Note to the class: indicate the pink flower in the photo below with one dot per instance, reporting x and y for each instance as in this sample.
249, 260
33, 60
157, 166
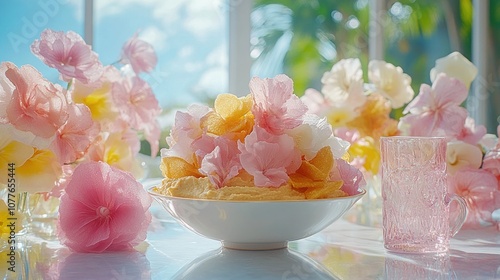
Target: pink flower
76, 135
498, 134
436, 111
36, 104
269, 158
222, 163
139, 54
189, 122
491, 163
118, 149
276, 108
479, 188
316, 103
139, 107
349, 135
203, 146
6, 89
471, 133
491, 141
351, 176
185, 130
69, 54
103, 209
128, 135
60, 186
152, 134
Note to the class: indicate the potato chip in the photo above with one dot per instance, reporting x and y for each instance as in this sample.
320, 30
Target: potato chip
232, 117
312, 172
329, 189
231, 108
253, 193
299, 181
318, 168
323, 159
236, 130
175, 167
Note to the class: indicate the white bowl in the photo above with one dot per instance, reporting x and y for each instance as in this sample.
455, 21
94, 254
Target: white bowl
256, 225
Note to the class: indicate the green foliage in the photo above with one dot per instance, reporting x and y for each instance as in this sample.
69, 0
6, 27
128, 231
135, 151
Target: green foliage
417, 32
314, 30
303, 58
423, 18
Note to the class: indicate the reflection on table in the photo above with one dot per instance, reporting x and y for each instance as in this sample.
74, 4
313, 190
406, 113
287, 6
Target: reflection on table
342, 251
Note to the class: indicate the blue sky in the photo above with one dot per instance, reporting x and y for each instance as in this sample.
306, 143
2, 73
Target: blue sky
188, 35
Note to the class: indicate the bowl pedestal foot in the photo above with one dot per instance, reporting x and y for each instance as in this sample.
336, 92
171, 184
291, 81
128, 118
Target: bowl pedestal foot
255, 246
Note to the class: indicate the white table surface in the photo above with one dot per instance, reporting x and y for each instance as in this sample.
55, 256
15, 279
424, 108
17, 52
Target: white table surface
342, 251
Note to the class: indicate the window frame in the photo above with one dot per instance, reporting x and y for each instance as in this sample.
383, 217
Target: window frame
240, 62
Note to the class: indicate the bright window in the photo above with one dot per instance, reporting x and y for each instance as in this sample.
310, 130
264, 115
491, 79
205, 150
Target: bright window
22, 21
189, 36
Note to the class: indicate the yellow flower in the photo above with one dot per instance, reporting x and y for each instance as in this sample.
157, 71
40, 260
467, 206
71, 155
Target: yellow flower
98, 100
374, 118
117, 152
39, 173
367, 149
340, 116
460, 154
33, 170
457, 66
5, 229
232, 117
13, 152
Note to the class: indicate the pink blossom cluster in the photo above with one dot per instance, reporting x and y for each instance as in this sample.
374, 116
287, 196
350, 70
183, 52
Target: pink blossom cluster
82, 140
360, 113
280, 136
79, 122
473, 156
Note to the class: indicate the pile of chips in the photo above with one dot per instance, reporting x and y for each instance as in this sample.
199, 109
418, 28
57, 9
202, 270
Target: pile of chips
266, 136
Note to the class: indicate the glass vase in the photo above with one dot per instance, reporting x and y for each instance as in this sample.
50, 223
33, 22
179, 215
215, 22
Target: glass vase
43, 210
368, 210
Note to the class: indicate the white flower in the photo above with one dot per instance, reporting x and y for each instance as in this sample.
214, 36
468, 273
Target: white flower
343, 85
340, 116
460, 154
390, 82
26, 137
489, 142
314, 134
457, 66
6, 89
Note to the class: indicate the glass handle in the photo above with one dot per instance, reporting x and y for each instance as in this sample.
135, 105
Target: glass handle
462, 215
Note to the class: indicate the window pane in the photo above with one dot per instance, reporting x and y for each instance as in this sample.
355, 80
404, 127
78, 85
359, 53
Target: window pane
303, 39
22, 22
189, 36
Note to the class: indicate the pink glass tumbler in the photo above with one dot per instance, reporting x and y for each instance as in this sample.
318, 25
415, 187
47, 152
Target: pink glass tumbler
416, 202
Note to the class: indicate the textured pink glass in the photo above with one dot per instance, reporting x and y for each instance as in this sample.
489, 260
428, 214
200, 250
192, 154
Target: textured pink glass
416, 216
419, 266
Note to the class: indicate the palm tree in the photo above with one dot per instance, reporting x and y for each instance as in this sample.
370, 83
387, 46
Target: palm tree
305, 38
